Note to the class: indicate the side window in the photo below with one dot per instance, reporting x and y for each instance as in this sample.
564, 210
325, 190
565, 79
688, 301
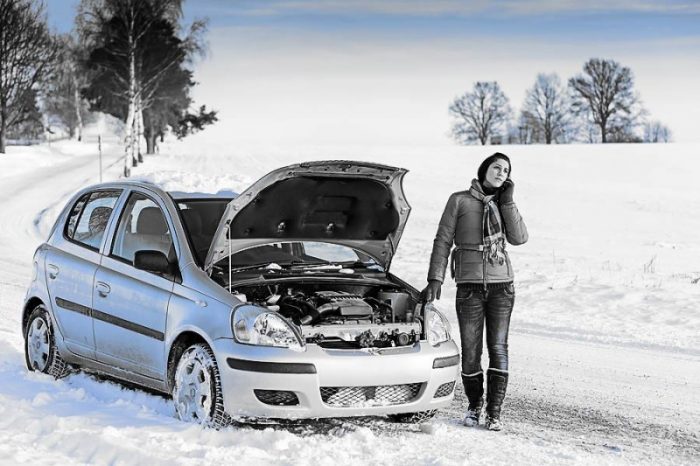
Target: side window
142, 226
88, 219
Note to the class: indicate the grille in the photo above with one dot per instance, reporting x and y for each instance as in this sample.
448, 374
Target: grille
381, 395
444, 389
277, 397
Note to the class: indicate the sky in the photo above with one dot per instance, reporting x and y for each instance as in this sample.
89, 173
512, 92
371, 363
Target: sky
385, 72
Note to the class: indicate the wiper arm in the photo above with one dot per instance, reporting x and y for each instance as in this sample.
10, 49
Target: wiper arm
262, 265
364, 265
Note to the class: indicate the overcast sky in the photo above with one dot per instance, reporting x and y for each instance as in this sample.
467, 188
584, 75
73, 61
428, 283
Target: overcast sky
375, 72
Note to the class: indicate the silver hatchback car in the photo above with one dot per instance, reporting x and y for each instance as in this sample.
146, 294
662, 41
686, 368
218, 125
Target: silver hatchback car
276, 303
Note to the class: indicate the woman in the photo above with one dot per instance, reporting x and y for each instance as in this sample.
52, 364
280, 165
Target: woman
478, 222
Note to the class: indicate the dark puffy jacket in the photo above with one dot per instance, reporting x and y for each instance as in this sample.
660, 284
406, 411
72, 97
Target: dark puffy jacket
461, 225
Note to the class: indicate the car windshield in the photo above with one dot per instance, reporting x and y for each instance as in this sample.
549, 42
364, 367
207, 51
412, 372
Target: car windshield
302, 254
201, 217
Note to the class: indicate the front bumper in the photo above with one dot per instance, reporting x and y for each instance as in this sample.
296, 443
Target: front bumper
246, 368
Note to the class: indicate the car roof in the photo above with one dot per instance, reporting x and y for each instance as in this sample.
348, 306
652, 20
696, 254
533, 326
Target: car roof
176, 195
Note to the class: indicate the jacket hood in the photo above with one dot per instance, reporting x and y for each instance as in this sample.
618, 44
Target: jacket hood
356, 204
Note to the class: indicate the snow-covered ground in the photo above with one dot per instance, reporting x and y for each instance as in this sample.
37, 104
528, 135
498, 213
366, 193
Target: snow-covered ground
605, 339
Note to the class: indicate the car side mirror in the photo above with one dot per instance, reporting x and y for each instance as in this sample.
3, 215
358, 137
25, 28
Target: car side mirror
153, 261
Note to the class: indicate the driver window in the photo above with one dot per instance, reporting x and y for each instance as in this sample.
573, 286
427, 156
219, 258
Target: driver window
142, 226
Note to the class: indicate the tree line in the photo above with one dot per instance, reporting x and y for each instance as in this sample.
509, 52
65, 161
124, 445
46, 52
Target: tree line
128, 58
597, 105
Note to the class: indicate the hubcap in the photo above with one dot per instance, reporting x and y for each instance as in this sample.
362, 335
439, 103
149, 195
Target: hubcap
38, 344
192, 394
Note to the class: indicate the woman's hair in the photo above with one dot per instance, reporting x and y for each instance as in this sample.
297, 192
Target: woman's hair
481, 173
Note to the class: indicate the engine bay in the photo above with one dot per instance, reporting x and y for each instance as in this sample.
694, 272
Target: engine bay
343, 316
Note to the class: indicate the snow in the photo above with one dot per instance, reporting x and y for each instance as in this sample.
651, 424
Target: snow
605, 336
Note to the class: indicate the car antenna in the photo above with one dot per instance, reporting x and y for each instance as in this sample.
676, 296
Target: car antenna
228, 237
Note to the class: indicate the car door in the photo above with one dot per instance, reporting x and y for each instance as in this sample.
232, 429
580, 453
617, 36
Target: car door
130, 305
71, 266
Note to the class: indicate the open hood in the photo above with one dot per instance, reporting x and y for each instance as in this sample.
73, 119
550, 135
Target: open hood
356, 204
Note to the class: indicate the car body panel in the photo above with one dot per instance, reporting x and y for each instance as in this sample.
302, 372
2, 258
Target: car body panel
130, 320
334, 368
70, 273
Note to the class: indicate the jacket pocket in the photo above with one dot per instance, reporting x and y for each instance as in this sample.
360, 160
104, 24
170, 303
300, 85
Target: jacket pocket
469, 265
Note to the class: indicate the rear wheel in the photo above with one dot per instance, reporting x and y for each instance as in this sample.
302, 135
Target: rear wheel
197, 388
413, 418
40, 352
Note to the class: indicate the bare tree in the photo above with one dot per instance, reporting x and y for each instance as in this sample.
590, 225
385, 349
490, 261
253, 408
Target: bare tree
605, 91
480, 115
63, 101
546, 109
26, 54
655, 131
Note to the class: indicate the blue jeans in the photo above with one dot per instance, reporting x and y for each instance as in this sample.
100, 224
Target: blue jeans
474, 306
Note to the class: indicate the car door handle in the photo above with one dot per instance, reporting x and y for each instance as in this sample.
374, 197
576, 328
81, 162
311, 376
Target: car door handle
103, 289
52, 270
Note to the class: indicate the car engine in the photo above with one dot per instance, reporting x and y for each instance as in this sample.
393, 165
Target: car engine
355, 317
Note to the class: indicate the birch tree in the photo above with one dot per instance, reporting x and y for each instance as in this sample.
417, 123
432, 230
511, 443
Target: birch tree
133, 48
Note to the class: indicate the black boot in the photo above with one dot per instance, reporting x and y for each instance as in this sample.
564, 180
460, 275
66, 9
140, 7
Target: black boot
497, 381
474, 389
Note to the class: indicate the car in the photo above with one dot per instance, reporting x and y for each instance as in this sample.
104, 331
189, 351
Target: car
276, 303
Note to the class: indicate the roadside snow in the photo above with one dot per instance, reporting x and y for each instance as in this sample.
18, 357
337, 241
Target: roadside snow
605, 354
612, 255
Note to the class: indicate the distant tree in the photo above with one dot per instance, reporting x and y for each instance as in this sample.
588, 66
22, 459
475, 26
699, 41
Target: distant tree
27, 51
30, 126
605, 91
136, 56
528, 131
63, 102
481, 114
546, 110
655, 131
190, 123
624, 130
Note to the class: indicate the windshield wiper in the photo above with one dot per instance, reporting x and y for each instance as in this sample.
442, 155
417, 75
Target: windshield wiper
263, 265
364, 265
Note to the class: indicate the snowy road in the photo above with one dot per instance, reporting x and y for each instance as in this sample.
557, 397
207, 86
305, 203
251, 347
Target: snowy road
570, 401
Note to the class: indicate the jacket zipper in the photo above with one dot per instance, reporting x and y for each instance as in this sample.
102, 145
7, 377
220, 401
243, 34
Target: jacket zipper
485, 250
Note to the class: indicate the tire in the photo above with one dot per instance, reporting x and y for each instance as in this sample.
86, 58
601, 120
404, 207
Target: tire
40, 352
412, 418
197, 388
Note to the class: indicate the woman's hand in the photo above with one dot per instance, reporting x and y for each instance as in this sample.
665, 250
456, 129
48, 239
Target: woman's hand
432, 291
506, 195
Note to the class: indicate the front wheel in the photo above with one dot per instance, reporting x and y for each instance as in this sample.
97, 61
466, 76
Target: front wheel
40, 352
197, 388
413, 418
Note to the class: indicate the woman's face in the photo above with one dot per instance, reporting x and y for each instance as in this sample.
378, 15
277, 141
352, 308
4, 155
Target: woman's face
497, 173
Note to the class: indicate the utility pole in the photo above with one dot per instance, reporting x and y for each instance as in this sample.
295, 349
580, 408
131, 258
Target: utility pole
99, 149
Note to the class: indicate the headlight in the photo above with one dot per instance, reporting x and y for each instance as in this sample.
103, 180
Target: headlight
438, 327
257, 326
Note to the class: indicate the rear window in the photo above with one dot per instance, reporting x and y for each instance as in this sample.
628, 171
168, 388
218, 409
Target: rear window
88, 219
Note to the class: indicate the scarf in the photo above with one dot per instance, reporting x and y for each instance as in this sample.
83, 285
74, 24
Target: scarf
492, 226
